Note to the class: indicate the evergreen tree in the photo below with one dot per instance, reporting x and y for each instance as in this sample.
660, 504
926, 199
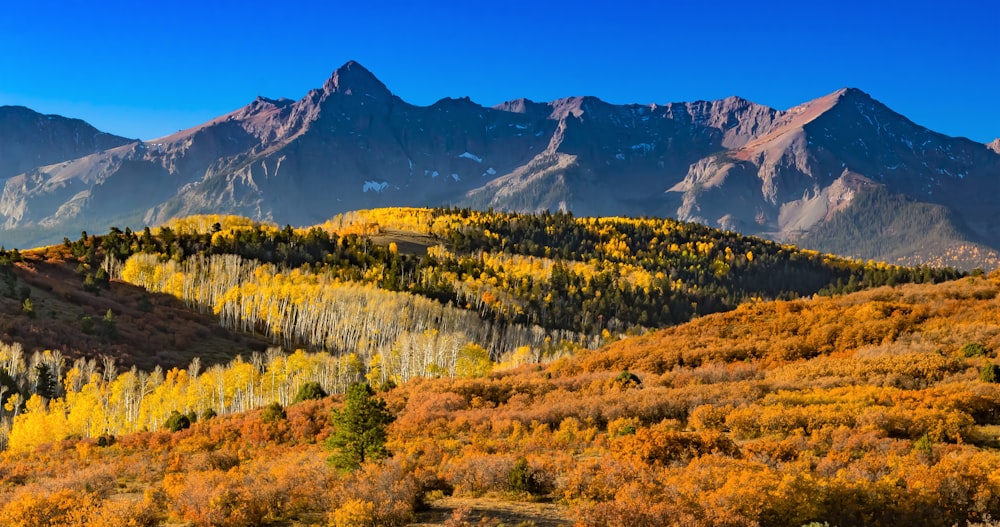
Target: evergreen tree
360, 429
308, 391
45, 384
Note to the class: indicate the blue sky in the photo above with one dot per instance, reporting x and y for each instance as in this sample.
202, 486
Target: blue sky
144, 69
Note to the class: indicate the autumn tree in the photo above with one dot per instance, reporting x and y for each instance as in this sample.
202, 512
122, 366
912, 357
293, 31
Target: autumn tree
360, 428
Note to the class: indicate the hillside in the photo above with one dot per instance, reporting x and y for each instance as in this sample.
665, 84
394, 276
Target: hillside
788, 175
874, 408
437, 280
70, 315
410, 290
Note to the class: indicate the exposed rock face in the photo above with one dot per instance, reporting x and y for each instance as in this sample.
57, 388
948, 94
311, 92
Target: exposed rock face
29, 139
353, 144
994, 145
845, 138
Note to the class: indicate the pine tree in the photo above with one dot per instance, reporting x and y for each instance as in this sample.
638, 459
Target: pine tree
360, 429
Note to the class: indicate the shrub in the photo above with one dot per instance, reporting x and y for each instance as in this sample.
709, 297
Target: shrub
177, 422
219, 499
63, 507
309, 391
990, 373
623, 426
383, 495
272, 413
354, 513
627, 379
522, 478
973, 349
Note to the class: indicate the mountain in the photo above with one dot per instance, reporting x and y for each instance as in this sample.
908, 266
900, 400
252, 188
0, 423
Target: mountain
29, 139
790, 175
794, 179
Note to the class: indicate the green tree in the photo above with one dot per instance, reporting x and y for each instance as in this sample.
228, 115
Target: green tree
974, 349
109, 327
990, 373
308, 391
177, 422
359, 429
522, 478
45, 383
89, 285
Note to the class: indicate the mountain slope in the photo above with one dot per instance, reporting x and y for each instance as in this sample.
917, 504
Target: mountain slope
802, 173
352, 144
71, 315
29, 139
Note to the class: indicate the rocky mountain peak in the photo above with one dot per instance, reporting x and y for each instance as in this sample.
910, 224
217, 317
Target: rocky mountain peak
577, 106
351, 144
522, 105
853, 94
995, 145
354, 79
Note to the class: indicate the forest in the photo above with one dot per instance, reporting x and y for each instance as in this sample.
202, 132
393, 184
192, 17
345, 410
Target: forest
500, 280
796, 389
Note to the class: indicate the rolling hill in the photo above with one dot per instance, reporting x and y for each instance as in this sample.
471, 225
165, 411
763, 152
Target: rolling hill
874, 408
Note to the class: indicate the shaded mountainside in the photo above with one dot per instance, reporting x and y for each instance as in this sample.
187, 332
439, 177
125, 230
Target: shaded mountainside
70, 314
29, 139
900, 229
352, 144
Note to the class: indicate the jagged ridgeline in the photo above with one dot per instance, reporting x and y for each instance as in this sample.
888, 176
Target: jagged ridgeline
396, 284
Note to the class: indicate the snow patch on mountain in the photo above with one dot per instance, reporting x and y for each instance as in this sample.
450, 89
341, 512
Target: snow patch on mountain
374, 186
470, 155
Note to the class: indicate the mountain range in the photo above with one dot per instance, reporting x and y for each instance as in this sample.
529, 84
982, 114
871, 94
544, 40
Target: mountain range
842, 173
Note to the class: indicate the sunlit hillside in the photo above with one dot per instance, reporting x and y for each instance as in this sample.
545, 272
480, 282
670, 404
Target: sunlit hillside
875, 408
499, 369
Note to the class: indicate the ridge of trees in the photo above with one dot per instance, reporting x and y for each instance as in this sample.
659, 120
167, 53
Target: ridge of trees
541, 276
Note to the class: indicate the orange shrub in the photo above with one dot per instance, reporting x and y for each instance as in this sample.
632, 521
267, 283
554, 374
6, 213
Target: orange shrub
63, 508
390, 487
218, 499
663, 445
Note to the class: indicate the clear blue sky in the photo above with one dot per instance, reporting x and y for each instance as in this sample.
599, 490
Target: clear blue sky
145, 69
